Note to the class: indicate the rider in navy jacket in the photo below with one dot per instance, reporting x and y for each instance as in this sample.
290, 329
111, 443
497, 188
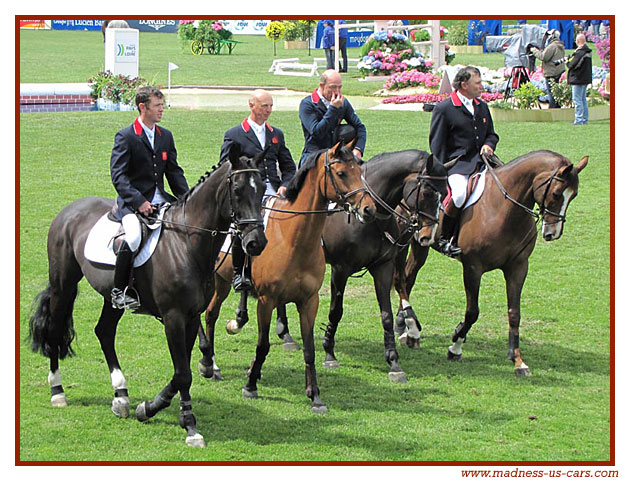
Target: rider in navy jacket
323, 111
142, 155
254, 135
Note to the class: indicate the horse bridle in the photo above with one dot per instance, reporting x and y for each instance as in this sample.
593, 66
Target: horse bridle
342, 199
240, 223
547, 183
543, 208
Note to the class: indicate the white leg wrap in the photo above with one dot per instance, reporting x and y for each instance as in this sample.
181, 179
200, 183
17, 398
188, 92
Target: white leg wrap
118, 379
456, 348
54, 378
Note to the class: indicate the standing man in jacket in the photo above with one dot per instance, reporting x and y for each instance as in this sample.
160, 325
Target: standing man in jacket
143, 154
321, 114
552, 70
254, 135
580, 74
462, 129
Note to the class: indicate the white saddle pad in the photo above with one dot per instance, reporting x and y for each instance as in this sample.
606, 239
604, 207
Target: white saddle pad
227, 244
476, 194
99, 244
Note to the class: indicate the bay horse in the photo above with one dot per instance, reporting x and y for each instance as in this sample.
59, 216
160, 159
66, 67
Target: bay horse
499, 232
174, 285
292, 266
412, 179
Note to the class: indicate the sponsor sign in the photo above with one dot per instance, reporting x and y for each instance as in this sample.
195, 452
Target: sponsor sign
77, 24
357, 39
35, 24
246, 27
161, 26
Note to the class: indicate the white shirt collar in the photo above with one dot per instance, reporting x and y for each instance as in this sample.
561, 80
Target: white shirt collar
468, 103
259, 131
149, 132
323, 99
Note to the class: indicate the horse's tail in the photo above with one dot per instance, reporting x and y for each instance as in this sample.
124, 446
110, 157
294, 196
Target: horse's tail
51, 337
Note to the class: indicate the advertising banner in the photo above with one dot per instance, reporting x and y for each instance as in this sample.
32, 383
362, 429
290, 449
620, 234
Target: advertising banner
161, 26
77, 24
246, 27
35, 24
357, 39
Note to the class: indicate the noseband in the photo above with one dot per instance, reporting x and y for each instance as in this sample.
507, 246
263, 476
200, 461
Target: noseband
543, 208
342, 199
240, 223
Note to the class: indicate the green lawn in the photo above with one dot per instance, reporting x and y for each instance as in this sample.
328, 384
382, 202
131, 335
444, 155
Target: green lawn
43, 58
475, 410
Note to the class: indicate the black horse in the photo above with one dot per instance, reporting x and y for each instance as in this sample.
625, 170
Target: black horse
409, 179
174, 285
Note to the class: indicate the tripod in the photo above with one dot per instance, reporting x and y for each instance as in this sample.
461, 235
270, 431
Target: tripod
518, 77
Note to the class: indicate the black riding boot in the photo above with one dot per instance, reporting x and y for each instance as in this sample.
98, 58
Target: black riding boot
447, 244
242, 280
121, 298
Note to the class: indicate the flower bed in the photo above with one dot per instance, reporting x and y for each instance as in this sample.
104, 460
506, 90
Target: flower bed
434, 98
116, 89
386, 53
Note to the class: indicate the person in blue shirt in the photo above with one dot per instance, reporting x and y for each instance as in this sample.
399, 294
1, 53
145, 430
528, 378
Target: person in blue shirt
328, 44
343, 42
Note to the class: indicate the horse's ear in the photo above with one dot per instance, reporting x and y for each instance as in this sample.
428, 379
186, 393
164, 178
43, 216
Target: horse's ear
234, 153
581, 164
429, 166
352, 143
334, 151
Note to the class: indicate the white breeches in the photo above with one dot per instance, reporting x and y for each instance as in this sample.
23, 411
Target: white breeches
458, 183
133, 233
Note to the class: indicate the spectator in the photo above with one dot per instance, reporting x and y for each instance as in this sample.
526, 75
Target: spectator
551, 69
328, 44
580, 74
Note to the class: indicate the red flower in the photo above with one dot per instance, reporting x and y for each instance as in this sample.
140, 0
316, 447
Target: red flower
274, 140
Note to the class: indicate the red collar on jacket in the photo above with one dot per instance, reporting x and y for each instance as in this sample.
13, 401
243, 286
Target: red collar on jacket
315, 97
247, 127
137, 127
457, 102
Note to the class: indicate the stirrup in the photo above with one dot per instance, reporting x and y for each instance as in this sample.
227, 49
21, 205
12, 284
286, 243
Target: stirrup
122, 300
447, 248
242, 283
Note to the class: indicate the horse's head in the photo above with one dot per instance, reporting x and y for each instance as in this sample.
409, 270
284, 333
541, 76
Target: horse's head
553, 192
246, 192
343, 182
423, 194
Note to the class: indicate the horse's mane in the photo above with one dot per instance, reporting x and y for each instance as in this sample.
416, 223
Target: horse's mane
383, 160
183, 199
295, 184
550, 156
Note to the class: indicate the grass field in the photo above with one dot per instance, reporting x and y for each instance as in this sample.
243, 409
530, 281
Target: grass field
472, 411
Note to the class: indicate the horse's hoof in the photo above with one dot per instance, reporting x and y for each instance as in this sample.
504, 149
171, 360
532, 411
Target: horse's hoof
196, 441
319, 409
216, 375
120, 407
289, 344
141, 412
331, 364
453, 357
59, 401
232, 327
397, 376
413, 343
247, 394
205, 371
522, 372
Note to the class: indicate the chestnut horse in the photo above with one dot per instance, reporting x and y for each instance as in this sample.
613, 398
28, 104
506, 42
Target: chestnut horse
174, 285
499, 232
292, 266
409, 178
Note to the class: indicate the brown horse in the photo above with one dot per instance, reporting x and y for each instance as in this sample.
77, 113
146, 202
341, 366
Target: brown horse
499, 232
291, 268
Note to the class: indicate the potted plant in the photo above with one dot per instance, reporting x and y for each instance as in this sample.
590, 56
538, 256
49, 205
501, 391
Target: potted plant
296, 34
114, 92
274, 32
